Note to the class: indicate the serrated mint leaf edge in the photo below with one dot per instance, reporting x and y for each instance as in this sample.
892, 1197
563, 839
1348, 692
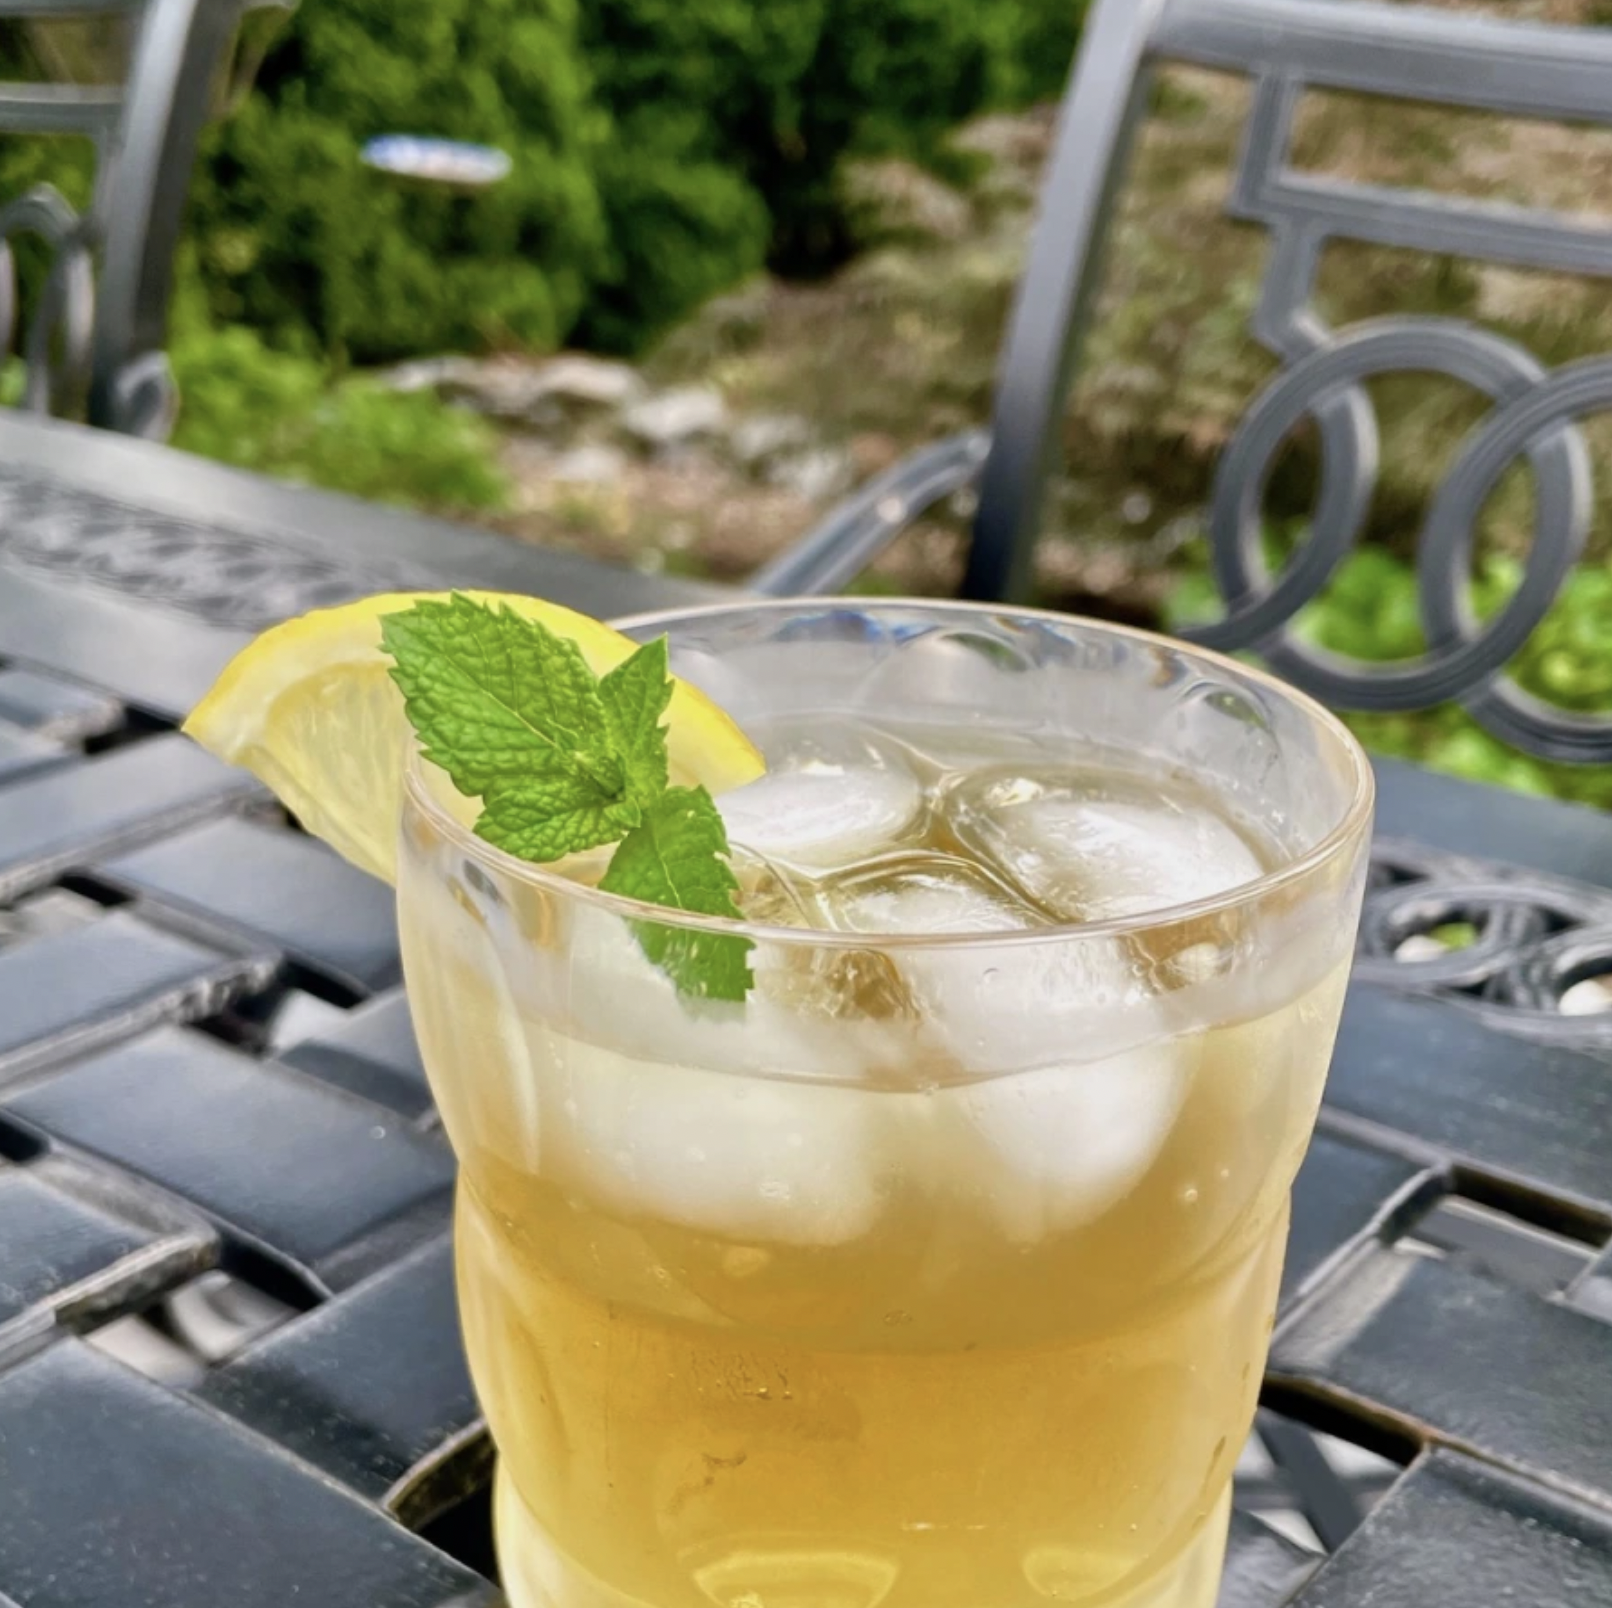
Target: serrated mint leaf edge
440, 688
700, 963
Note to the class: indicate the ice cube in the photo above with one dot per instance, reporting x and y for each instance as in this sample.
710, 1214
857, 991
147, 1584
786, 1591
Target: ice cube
829, 800
1052, 1150
597, 985
1075, 1076
743, 1121
1045, 999
924, 893
1089, 852
747, 1158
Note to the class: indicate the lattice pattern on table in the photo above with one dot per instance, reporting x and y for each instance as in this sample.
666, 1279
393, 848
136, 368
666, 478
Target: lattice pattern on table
224, 1214
228, 576
1525, 950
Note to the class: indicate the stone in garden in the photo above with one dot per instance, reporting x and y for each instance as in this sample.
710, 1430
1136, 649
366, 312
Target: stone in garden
676, 418
502, 387
817, 476
428, 374
589, 382
595, 463
764, 436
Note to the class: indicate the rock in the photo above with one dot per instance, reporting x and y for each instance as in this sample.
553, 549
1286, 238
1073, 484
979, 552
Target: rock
547, 396
892, 199
675, 418
817, 476
428, 374
594, 463
1022, 138
501, 387
589, 382
762, 437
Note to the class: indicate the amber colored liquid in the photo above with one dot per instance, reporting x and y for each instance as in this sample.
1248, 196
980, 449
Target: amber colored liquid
925, 1415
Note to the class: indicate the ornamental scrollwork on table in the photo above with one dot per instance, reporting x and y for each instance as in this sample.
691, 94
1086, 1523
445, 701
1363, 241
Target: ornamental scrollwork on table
227, 577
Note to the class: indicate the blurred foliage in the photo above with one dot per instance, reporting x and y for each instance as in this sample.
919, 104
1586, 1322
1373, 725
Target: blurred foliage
1370, 612
773, 96
296, 238
662, 150
665, 149
287, 416
284, 415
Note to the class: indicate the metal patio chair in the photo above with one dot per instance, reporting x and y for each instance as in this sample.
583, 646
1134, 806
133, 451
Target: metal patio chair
92, 345
1286, 48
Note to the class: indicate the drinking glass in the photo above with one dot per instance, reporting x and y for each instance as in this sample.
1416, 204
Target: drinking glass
942, 1269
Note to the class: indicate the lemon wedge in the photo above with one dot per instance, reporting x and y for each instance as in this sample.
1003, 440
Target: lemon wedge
310, 709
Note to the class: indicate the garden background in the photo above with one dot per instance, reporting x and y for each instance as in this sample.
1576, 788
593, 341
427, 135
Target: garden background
784, 233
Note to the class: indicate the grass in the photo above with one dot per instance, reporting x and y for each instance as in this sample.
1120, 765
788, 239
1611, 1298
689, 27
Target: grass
286, 416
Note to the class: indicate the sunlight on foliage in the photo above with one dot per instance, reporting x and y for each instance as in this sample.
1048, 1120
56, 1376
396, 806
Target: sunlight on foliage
1370, 612
284, 416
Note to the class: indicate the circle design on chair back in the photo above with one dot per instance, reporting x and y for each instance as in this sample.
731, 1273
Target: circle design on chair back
1534, 418
1547, 412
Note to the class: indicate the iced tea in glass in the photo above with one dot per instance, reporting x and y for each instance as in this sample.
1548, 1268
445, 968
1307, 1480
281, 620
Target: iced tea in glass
940, 1271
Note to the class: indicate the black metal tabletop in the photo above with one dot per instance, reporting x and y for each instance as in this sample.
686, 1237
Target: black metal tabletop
229, 1362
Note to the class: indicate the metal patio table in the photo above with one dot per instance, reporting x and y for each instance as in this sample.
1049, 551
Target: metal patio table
207, 1075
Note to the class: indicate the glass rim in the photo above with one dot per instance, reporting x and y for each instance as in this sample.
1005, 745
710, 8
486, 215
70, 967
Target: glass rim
1361, 780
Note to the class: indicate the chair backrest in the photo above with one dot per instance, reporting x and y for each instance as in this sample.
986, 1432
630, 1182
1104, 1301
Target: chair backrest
1286, 47
93, 343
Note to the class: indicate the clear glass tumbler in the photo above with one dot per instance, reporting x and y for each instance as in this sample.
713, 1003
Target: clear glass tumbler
942, 1270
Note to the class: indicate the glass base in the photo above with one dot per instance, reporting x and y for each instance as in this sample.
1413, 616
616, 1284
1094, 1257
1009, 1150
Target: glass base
537, 1574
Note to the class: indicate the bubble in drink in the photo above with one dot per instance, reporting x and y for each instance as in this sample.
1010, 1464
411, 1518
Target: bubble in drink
938, 1273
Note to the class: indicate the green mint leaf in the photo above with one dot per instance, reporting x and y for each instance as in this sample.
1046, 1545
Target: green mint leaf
565, 761
497, 698
542, 819
635, 695
677, 857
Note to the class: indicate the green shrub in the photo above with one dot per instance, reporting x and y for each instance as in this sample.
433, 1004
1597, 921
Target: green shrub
300, 240
681, 225
662, 150
1048, 34
282, 415
776, 93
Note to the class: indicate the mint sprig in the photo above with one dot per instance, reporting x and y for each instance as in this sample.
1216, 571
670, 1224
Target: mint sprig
564, 760
667, 859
